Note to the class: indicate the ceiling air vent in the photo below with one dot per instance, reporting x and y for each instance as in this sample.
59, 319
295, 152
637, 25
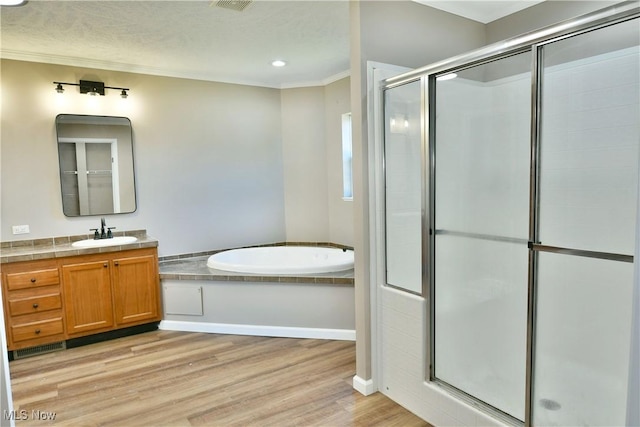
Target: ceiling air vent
237, 5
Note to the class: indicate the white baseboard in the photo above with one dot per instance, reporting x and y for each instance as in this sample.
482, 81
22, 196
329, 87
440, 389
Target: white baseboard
364, 387
258, 330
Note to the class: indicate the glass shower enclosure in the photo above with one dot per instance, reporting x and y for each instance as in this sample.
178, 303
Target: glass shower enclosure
530, 153
481, 189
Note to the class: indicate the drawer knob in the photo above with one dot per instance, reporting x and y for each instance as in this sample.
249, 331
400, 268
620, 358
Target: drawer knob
33, 280
35, 305
105, 265
37, 331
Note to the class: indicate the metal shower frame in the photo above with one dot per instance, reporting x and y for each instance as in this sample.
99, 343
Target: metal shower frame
530, 42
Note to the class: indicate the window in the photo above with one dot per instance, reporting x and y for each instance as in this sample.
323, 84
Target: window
347, 158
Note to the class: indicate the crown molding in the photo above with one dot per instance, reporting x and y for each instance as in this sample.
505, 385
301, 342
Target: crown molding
153, 71
323, 82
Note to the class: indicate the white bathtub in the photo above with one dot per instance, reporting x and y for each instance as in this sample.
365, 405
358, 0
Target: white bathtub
282, 260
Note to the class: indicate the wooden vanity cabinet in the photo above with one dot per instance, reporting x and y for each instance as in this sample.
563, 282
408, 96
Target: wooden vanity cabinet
110, 291
54, 300
33, 303
88, 306
135, 285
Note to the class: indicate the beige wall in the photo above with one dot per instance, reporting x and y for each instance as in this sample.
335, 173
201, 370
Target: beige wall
540, 16
209, 158
305, 161
312, 153
337, 102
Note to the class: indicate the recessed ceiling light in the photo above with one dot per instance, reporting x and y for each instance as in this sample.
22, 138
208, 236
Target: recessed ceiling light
278, 63
12, 2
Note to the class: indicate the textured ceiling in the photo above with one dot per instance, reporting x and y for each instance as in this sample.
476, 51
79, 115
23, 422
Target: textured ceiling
196, 39
192, 39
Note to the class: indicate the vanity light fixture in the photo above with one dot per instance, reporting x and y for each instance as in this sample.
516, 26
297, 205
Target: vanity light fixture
278, 63
92, 88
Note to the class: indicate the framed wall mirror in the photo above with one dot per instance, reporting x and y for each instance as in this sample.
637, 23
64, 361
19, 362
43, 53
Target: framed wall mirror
95, 155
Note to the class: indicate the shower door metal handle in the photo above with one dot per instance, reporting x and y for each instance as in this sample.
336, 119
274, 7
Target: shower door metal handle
482, 236
580, 252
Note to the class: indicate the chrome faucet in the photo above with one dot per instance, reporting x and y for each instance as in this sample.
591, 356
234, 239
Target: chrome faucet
103, 233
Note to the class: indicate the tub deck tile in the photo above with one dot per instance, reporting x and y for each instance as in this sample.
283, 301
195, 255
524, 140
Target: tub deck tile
195, 268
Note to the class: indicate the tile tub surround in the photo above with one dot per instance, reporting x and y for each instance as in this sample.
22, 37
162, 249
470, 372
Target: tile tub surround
58, 247
194, 267
203, 299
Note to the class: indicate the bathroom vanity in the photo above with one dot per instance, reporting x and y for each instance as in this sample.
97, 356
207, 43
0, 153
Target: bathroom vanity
57, 292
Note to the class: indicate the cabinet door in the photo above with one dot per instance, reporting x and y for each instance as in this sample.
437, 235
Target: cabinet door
135, 286
87, 296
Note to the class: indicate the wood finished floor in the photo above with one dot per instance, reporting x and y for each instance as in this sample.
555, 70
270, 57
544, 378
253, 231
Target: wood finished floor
166, 378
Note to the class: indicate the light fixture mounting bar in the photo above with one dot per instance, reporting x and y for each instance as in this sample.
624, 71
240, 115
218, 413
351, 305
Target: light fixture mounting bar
91, 87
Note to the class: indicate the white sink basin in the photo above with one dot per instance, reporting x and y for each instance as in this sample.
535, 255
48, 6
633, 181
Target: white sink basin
115, 241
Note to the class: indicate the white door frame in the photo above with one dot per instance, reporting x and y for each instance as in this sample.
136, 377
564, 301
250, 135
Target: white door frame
377, 72
82, 180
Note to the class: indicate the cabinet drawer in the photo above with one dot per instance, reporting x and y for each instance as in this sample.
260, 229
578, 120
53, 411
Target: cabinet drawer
35, 304
35, 330
33, 278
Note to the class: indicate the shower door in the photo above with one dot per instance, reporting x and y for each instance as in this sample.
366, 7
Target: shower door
531, 169
403, 187
588, 187
480, 217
